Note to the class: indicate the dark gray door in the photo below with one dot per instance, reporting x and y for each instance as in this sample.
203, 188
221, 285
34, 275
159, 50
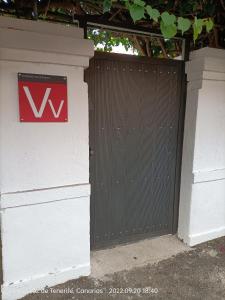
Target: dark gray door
135, 119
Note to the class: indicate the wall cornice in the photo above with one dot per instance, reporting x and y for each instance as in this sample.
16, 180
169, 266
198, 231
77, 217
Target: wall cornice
29, 41
206, 64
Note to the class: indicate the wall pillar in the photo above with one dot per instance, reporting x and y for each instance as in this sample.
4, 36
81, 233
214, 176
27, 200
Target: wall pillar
44, 167
202, 198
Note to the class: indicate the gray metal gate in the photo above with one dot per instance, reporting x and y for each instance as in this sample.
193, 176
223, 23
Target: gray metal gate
136, 118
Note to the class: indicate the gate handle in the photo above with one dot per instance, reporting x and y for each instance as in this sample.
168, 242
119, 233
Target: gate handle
91, 152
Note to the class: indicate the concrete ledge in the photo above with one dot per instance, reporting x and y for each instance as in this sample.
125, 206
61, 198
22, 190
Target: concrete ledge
194, 85
15, 39
209, 52
213, 75
198, 238
41, 27
206, 64
10, 200
206, 75
7, 54
210, 175
19, 289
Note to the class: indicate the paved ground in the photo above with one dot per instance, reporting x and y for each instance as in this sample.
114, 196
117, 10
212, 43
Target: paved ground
198, 274
134, 255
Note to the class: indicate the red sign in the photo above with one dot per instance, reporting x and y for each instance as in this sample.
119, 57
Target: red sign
42, 98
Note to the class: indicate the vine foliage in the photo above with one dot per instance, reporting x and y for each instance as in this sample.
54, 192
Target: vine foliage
168, 22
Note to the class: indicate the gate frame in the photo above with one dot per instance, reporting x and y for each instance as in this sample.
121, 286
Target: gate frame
180, 139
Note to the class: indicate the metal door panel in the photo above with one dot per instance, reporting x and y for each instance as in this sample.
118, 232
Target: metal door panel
135, 114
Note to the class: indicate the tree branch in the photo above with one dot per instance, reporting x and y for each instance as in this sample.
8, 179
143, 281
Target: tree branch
162, 47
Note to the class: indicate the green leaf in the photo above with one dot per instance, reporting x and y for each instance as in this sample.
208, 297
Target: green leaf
107, 5
153, 13
168, 31
197, 28
209, 25
139, 2
183, 24
137, 12
168, 19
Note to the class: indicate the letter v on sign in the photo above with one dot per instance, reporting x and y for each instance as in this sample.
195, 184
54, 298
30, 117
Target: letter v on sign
38, 114
42, 98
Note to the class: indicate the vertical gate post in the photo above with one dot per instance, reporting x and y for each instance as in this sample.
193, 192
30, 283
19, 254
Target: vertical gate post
44, 167
202, 197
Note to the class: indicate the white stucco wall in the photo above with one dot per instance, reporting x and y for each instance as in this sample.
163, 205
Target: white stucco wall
44, 167
202, 201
